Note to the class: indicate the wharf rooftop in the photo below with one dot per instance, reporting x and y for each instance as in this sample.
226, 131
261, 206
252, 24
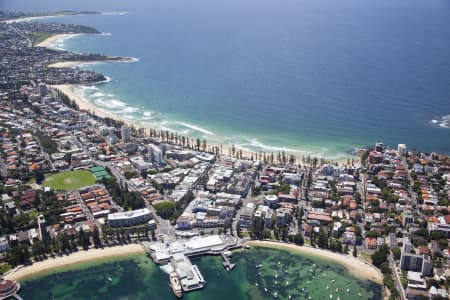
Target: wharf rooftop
199, 245
189, 275
174, 256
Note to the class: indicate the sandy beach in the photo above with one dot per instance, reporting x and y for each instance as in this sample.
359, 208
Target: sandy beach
85, 104
72, 259
54, 38
355, 266
71, 64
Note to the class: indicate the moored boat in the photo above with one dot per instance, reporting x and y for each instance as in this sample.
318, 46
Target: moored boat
175, 284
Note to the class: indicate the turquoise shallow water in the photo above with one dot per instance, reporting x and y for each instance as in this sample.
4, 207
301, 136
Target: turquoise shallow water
282, 274
306, 76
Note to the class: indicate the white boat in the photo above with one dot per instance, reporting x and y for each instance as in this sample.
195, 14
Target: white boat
258, 266
289, 296
331, 296
265, 290
348, 290
175, 284
110, 279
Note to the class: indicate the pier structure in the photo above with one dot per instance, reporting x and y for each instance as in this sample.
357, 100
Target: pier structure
226, 261
161, 253
175, 255
188, 274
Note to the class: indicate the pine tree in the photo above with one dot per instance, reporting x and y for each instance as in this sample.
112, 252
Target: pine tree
96, 238
238, 230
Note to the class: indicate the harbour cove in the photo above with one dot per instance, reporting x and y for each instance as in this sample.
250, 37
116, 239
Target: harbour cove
261, 273
245, 97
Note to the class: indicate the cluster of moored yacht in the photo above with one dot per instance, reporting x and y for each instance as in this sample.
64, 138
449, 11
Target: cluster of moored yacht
275, 294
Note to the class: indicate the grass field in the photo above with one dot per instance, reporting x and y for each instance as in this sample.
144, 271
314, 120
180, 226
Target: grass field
71, 180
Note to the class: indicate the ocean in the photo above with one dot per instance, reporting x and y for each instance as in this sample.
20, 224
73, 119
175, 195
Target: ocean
308, 77
282, 274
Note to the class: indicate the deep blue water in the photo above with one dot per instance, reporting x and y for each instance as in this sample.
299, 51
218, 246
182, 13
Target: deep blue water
322, 76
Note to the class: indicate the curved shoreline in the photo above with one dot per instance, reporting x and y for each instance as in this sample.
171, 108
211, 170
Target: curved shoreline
53, 264
86, 104
354, 265
57, 37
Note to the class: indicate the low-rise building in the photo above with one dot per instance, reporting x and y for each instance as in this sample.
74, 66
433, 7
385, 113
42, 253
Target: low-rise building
129, 218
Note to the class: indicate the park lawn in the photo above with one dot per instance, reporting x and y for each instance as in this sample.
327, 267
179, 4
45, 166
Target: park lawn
70, 180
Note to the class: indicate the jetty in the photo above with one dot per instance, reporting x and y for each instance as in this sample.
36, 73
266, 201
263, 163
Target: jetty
226, 261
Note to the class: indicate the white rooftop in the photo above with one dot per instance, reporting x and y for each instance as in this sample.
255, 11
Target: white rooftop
129, 214
204, 242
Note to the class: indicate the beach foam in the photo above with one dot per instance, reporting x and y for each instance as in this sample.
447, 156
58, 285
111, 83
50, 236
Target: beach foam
98, 95
443, 121
128, 109
110, 103
129, 60
196, 128
257, 144
108, 79
60, 40
113, 13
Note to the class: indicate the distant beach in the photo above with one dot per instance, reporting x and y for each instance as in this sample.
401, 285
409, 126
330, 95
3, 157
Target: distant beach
73, 259
355, 266
48, 42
